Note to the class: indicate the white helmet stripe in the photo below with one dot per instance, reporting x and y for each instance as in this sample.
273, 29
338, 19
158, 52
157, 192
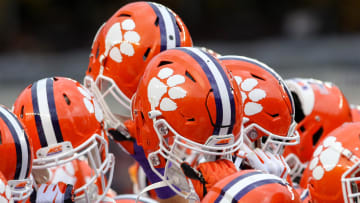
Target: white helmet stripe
169, 33
222, 84
44, 112
23, 153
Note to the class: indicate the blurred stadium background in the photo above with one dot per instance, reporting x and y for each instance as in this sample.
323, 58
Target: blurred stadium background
308, 38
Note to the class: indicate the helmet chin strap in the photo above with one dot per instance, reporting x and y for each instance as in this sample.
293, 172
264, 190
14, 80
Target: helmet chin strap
151, 187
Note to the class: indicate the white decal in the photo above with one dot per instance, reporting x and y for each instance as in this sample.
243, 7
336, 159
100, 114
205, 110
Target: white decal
165, 73
91, 105
128, 24
257, 95
177, 93
84, 92
318, 173
116, 55
248, 84
248, 91
325, 158
252, 108
167, 105
175, 80
238, 79
127, 49
157, 89
120, 39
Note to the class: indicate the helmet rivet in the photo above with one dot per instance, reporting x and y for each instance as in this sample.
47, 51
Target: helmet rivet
163, 130
253, 134
154, 160
317, 118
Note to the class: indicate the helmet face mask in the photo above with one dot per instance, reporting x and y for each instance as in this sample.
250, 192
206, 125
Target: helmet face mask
350, 182
171, 151
296, 167
272, 142
115, 105
94, 152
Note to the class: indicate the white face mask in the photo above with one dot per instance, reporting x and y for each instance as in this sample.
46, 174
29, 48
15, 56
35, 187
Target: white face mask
274, 143
114, 103
95, 152
174, 155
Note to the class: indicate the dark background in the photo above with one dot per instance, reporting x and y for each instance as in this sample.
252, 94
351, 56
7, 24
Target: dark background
45, 25
298, 38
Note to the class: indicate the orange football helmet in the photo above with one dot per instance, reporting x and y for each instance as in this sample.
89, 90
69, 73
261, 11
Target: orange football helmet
333, 174
17, 155
248, 186
186, 99
355, 112
320, 108
65, 123
268, 105
5, 191
123, 47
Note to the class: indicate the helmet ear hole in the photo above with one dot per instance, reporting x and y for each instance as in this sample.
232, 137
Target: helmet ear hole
317, 136
0, 137
257, 77
97, 51
67, 100
124, 15
142, 116
157, 21
163, 63
22, 112
190, 76
146, 54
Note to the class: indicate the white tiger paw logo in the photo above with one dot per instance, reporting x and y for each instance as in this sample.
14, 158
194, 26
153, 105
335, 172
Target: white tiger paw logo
5, 193
248, 90
123, 34
165, 82
325, 157
90, 103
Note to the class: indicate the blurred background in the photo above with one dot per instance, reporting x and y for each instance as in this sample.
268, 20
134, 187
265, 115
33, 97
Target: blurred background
299, 38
